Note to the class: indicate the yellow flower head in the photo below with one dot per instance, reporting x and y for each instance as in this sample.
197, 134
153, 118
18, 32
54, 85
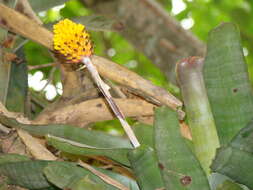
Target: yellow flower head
72, 40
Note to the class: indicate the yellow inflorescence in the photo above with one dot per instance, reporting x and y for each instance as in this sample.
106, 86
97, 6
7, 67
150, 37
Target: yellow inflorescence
72, 40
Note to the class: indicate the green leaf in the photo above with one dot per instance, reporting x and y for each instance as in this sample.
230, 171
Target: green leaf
244, 139
27, 174
235, 160
179, 167
144, 133
216, 179
73, 147
86, 183
37, 54
227, 82
74, 8
6, 158
234, 163
66, 175
122, 179
229, 185
43, 174
145, 166
81, 135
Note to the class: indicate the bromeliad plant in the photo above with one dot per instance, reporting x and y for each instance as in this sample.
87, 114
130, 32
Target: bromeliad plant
219, 104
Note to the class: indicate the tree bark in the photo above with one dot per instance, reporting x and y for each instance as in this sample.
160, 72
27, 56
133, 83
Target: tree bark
151, 30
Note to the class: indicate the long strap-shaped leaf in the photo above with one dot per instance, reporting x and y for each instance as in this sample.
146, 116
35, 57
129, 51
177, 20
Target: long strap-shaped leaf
227, 83
179, 167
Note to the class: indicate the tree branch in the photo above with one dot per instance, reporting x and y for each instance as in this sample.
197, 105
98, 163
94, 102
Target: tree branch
25, 8
32, 67
94, 110
136, 83
152, 30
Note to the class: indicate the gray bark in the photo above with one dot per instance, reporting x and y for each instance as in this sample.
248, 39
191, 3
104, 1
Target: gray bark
151, 30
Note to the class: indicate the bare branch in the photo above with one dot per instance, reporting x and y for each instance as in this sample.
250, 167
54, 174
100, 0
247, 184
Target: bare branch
32, 67
18, 23
94, 110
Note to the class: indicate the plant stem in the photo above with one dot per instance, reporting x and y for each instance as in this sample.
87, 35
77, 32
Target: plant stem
104, 88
